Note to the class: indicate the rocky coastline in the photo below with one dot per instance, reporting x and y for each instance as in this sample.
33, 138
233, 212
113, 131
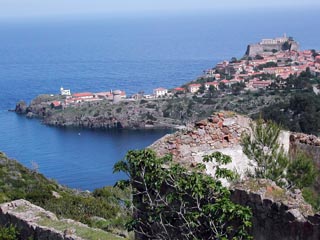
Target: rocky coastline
171, 112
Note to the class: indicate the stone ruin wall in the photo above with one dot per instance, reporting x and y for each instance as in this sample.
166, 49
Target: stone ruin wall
219, 131
277, 215
309, 144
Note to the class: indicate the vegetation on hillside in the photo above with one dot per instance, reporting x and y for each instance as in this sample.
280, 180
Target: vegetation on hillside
263, 147
301, 113
171, 202
102, 208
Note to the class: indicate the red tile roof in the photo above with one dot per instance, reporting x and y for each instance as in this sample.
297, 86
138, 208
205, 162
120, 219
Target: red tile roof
84, 94
56, 103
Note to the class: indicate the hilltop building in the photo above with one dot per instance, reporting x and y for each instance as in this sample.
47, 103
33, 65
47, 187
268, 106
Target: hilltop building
272, 45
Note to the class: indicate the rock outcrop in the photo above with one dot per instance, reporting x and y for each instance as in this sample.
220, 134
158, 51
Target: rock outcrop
36, 223
21, 107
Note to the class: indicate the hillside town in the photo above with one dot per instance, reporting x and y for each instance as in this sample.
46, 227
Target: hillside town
268, 63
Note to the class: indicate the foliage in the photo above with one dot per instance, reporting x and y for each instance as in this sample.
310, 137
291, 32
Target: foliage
301, 171
202, 89
300, 114
8, 233
18, 182
237, 88
170, 202
267, 65
312, 197
263, 147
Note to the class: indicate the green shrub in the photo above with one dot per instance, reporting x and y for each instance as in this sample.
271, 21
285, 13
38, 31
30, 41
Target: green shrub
8, 233
172, 202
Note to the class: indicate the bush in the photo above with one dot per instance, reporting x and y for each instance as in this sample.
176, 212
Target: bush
262, 146
8, 233
171, 202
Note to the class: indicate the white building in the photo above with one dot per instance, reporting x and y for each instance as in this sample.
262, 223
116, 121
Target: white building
160, 92
214, 84
193, 88
65, 92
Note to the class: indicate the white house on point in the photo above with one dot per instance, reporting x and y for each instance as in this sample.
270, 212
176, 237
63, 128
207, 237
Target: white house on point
160, 92
65, 92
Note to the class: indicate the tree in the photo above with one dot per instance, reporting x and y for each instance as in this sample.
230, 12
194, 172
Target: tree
213, 92
263, 147
272, 162
171, 202
301, 172
8, 233
202, 88
237, 88
233, 60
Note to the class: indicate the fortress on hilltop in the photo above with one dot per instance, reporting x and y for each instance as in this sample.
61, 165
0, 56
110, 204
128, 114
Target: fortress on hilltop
272, 45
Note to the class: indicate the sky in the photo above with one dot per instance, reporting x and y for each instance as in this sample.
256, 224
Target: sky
51, 8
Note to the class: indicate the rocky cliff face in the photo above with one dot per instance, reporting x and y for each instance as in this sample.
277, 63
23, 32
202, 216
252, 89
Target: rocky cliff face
170, 112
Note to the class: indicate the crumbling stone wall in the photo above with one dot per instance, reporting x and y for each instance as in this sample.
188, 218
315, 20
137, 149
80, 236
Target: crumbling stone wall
219, 131
277, 214
309, 144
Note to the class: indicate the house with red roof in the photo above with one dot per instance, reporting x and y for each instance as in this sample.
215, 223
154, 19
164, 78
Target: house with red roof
258, 84
56, 104
226, 82
179, 90
194, 87
84, 95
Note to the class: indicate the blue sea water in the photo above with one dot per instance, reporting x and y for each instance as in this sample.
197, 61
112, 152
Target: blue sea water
132, 54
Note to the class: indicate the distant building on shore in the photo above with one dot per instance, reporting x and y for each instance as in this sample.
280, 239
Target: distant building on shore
193, 88
160, 92
65, 92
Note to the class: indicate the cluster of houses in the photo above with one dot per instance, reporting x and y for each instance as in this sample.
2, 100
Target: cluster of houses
252, 71
77, 98
280, 65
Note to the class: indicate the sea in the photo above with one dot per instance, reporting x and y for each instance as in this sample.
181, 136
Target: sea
131, 53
